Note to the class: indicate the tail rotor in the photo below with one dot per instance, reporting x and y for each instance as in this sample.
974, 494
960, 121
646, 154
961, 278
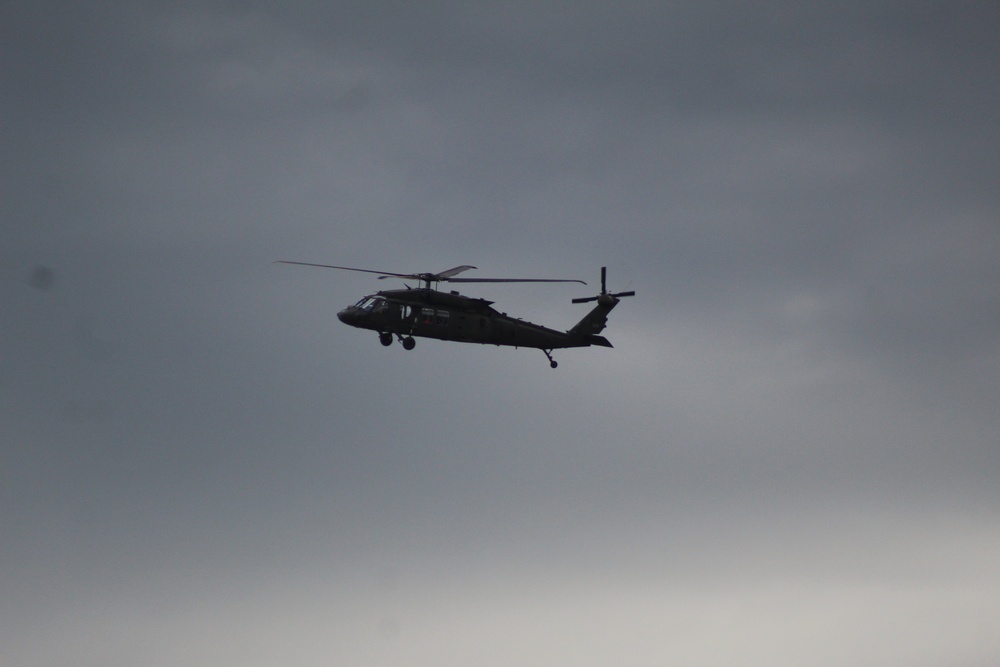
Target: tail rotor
605, 296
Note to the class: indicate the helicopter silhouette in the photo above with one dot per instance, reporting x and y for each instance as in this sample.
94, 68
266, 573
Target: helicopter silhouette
429, 313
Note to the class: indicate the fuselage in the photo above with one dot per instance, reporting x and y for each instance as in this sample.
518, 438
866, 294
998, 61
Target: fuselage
451, 316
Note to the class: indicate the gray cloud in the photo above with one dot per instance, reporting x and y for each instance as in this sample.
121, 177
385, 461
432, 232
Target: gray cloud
789, 454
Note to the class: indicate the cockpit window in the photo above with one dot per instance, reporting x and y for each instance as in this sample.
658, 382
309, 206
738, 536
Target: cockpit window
372, 304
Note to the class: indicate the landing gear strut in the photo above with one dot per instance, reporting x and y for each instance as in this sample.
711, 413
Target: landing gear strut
552, 362
385, 337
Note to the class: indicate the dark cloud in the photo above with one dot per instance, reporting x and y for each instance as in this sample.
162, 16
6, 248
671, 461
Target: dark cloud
792, 446
41, 277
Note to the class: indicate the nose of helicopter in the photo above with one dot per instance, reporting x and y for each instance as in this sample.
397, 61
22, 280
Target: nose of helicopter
348, 315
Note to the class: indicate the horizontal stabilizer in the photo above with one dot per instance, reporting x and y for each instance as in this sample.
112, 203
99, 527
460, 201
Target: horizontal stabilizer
600, 341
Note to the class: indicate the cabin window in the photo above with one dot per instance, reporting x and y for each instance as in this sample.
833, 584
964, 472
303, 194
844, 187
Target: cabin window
427, 315
443, 317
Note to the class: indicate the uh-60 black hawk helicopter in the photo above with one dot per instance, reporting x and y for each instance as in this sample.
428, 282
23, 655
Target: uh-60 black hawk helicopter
427, 312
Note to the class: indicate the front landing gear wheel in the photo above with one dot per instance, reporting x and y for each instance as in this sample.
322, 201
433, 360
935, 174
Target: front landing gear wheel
385, 339
409, 343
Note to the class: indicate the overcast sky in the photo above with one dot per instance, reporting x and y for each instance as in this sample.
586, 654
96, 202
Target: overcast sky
791, 456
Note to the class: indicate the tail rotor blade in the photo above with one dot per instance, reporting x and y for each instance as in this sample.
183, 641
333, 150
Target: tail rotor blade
604, 290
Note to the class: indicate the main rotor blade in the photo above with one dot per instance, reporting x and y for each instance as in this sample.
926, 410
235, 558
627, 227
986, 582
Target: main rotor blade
348, 268
446, 275
513, 280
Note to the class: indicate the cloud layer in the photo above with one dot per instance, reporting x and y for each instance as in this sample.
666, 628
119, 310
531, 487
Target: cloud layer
789, 457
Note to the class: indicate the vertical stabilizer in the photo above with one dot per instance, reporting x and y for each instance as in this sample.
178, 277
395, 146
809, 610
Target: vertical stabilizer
596, 320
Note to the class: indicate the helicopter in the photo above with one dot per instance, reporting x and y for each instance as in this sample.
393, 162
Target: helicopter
426, 312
